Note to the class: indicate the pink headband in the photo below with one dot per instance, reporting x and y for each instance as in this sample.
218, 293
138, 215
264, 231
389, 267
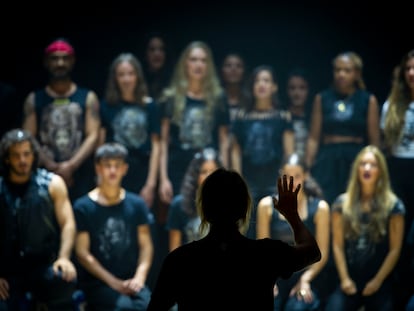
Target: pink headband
59, 46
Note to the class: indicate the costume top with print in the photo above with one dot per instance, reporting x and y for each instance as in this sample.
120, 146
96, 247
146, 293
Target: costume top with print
404, 148
29, 228
260, 136
178, 219
345, 115
131, 124
364, 256
198, 128
113, 232
61, 123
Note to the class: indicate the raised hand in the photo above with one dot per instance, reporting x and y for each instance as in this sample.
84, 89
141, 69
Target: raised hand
287, 204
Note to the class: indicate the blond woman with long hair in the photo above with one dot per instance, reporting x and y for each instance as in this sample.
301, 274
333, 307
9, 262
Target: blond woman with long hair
367, 231
193, 116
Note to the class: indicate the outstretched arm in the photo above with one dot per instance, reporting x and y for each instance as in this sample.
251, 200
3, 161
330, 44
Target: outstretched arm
306, 246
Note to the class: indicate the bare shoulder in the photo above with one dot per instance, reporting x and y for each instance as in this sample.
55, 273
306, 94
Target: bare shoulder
323, 206
265, 203
57, 185
92, 98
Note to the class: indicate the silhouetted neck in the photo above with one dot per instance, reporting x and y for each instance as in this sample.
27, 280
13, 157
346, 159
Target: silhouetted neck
224, 233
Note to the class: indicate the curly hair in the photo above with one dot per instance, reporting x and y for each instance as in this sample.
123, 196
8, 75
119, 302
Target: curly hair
16, 136
190, 181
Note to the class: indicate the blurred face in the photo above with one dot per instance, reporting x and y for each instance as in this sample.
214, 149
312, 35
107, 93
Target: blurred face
299, 175
20, 159
264, 86
196, 64
409, 74
59, 64
126, 77
156, 53
368, 170
111, 171
233, 69
345, 74
297, 91
206, 169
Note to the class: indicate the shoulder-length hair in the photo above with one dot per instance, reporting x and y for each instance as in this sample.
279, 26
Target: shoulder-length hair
251, 101
224, 200
381, 204
177, 91
113, 92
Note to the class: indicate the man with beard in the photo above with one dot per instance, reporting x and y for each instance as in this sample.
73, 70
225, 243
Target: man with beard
63, 105
37, 229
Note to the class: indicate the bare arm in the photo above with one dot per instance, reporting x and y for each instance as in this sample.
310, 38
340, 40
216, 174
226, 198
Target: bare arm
288, 143
147, 192
166, 192
396, 231
347, 284
306, 246
224, 145
146, 252
373, 122
314, 132
174, 239
322, 218
264, 217
66, 220
101, 136
236, 160
30, 124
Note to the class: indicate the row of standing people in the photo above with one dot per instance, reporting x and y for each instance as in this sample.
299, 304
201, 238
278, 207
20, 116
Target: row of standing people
193, 69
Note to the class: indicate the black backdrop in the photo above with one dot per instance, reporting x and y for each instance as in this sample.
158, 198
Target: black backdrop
283, 34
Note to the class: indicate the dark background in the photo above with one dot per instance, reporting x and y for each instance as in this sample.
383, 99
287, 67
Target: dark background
284, 34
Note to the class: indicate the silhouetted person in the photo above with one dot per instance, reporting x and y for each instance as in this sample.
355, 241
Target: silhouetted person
234, 272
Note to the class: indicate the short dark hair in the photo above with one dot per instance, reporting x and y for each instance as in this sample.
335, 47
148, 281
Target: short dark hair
111, 150
16, 136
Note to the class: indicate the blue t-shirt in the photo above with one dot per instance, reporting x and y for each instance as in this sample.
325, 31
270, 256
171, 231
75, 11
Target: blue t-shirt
131, 124
260, 136
113, 232
178, 219
197, 130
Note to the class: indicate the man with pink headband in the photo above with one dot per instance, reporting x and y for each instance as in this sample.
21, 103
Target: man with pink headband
65, 120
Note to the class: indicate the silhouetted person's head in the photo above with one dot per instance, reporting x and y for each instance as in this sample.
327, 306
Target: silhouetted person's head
224, 200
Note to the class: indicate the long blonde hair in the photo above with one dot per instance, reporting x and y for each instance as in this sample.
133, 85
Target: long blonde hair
178, 88
398, 101
382, 202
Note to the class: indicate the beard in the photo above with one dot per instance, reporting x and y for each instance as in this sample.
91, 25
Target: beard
21, 170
